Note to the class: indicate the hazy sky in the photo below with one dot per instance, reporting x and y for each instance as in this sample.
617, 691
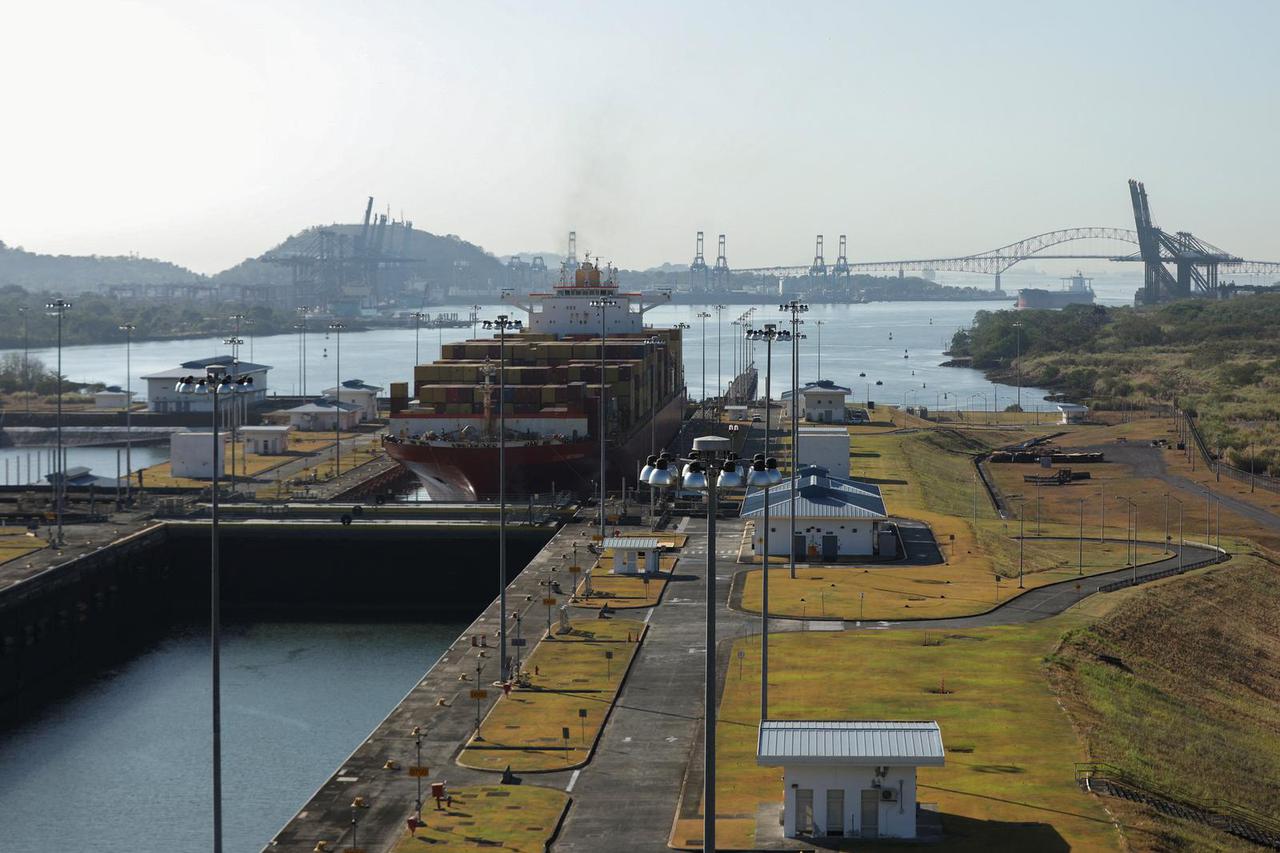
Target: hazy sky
204, 132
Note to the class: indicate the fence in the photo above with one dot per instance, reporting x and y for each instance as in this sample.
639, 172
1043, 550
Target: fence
1163, 573
1261, 481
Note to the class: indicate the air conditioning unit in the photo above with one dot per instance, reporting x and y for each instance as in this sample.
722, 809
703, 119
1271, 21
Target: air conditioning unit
889, 795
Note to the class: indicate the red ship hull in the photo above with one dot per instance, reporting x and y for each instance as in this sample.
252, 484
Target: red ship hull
465, 472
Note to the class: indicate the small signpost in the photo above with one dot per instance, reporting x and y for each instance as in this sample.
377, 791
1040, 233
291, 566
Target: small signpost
550, 603
479, 695
741, 654
564, 733
419, 772
608, 664
582, 722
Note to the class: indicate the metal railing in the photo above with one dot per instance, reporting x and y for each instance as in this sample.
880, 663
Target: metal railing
1261, 481
1163, 573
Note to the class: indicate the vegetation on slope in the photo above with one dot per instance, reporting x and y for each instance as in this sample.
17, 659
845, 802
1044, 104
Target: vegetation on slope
1180, 686
1218, 359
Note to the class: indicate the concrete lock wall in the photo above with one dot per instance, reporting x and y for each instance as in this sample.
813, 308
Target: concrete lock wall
896, 818
828, 447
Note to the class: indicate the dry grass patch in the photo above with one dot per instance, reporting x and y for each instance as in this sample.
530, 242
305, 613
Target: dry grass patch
568, 673
512, 817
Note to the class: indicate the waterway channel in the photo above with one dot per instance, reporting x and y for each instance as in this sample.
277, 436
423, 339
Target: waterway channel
121, 762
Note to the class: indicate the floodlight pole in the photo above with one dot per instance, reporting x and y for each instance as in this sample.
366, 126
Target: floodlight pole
337, 328
796, 309
603, 305
719, 335
703, 315
59, 308
128, 328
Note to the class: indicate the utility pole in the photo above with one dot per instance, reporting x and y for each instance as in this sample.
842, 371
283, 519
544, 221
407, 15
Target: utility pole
128, 329
796, 309
59, 308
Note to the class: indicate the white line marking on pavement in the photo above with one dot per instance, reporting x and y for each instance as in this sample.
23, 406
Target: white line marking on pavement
648, 616
573, 780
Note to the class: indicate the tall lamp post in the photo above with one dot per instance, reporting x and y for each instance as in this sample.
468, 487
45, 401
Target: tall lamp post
768, 334
59, 308
819, 324
719, 334
303, 312
1180, 539
235, 343
1017, 361
418, 317
502, 323
216, 383
702, 392
712, 468
23, 310
337, 328
128, 329
795, 308
1131, 533
603, 305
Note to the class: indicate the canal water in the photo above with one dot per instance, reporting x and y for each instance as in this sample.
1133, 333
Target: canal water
856, 339
122, 762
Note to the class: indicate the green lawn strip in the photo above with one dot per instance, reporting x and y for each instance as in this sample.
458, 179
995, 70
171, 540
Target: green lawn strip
569, 673
1183, 676
481, 817
1008, 783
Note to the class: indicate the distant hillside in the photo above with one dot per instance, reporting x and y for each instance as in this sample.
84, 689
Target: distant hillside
429, 257
78, 273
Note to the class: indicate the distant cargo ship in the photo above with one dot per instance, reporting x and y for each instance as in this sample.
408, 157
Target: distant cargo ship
446, 431
1076, 290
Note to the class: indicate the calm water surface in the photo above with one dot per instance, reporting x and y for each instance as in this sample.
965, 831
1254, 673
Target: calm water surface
870, 339
122, 763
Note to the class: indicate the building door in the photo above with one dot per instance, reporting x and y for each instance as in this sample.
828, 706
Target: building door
870, 813
800, 545
804, 811
830, 546
835, 811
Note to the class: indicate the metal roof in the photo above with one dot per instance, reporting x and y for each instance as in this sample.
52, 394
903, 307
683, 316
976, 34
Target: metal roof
631, 543
197, 368
850, 742
820, 496
822, 385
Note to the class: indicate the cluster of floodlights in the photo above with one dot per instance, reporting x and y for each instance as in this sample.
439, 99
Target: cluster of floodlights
214, 384
657, 472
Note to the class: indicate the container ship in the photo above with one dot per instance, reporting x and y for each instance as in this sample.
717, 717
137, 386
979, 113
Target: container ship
445, 427
1076, 290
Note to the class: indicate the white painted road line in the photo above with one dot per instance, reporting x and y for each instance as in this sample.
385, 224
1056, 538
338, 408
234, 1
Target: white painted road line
648, 616
573, 780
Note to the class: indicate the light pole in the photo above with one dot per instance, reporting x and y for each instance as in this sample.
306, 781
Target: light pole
604, 304
128, 328
1080, 556
711, 454
1022, 512
475, 316
502, 323
1180, 539
1017, 361
1131, 533
796, 309
216, 383
303, 312
337, 328
26, 356
771, 476
417, 742
703, 316
719, 334
819, 324
59, 308
234, 342
418, 317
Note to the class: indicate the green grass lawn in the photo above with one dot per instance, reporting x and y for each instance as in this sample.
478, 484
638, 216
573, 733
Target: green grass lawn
482, 817
1008, 783
569, 673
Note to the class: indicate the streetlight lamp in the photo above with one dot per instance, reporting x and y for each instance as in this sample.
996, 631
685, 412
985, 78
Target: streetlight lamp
1131, 533
764, 474
26, 356
58, 308
711, 454
337, 328
603, 304
1180, 539
1017, 360
475, 316
719, 334
216, 383
128, 329
703, 315
234, 342
1080, 545
795, 309
1022, 512
502, 323
819, 324
418, 317
303, 312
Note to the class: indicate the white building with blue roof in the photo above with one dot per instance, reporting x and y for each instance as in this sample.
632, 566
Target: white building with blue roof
835, 516
162, 396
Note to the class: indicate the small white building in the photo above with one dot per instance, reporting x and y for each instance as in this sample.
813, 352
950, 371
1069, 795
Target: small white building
824, 446
1073, 413
191, 454
111, 398
850, 778
161, 396
271, 440
835, 517
320, 415
630, 551
358, 393
823, 402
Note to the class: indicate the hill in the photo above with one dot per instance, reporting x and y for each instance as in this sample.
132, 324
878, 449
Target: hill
78, 273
